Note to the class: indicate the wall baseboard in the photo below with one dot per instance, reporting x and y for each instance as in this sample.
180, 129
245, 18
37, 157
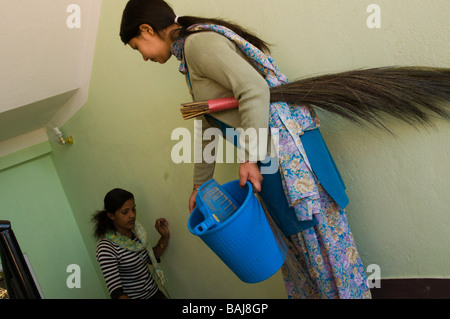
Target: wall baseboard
417, 288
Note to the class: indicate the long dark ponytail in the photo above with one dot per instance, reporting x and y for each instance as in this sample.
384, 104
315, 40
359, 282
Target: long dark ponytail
187, 21
159, 15
113, 200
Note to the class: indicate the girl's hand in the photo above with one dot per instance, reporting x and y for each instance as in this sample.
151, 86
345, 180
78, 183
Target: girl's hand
161, 226
250, 172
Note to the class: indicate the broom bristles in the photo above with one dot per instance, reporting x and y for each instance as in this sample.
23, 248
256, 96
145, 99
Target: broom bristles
193, 109
412, 94
202, 104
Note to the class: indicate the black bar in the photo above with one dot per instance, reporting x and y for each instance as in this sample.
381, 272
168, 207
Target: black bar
19, 281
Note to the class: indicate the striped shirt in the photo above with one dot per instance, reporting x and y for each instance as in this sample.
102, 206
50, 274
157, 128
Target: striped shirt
125, 271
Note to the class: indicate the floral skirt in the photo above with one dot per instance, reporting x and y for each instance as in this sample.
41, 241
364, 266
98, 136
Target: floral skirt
322, 261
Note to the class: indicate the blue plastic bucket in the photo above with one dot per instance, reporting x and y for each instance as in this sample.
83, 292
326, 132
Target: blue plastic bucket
245, 241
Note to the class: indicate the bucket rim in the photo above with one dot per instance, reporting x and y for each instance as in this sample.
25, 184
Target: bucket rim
235, 214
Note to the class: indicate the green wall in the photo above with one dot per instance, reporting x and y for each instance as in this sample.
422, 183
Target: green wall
397, 185
33, 200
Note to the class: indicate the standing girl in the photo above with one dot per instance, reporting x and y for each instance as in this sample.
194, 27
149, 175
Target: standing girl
123, 251
306, 197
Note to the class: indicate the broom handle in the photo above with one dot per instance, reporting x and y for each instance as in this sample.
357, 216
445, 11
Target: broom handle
217, 105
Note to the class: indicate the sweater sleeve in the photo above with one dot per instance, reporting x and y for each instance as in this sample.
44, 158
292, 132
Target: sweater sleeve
109, 265
217, 67
204, 170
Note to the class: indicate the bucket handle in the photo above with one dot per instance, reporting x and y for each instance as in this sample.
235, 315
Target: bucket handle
206, 225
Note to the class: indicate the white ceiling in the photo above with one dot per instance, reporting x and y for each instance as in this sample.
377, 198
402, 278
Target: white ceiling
45, 62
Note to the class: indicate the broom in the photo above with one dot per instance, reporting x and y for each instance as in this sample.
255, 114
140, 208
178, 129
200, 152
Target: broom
410, 94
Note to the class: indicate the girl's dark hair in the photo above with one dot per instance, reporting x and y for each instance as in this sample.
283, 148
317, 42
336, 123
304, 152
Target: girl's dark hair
114, 199
159, 15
